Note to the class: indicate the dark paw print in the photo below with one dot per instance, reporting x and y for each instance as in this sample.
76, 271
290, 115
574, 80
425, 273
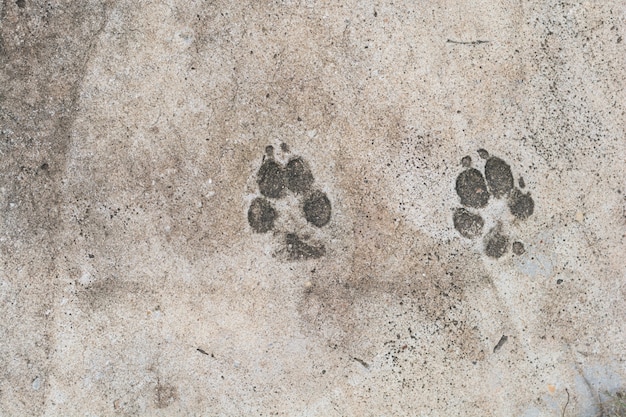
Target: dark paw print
293, 181
476, 190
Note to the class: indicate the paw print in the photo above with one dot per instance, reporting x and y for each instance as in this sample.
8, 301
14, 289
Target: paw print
476, 191
304, 209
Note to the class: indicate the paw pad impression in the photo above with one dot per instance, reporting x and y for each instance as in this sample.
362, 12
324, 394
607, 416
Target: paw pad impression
278, 182
475, 191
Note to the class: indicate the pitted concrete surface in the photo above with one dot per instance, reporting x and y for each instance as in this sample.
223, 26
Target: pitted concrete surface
312, 208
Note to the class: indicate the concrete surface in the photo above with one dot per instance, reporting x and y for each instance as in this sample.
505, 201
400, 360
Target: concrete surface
137, 276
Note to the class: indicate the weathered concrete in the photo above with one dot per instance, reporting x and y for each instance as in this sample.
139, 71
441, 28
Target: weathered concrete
135, 279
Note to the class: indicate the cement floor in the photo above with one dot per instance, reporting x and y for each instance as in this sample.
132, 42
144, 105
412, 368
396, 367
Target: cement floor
311, 208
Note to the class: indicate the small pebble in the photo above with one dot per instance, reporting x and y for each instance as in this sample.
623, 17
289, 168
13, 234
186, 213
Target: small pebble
580, 216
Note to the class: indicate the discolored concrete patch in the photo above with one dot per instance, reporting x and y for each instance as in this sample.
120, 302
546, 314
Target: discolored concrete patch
45, 50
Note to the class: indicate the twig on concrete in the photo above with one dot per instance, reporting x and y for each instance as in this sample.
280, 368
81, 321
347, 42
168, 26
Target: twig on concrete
566, 403
478, 42
362, 362
501, 343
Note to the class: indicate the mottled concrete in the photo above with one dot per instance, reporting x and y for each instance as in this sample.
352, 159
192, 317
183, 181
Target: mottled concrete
437, 229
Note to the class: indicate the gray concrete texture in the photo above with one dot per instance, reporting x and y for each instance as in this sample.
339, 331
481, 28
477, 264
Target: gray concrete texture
158, 258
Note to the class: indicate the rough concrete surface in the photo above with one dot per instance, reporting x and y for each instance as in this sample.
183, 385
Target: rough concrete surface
312, 208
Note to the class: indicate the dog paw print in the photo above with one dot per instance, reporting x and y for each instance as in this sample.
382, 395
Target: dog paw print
476, 191
290, 206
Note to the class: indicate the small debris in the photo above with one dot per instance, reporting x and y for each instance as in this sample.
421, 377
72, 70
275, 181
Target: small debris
501, 343
478, 42
580, 216
362, 362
